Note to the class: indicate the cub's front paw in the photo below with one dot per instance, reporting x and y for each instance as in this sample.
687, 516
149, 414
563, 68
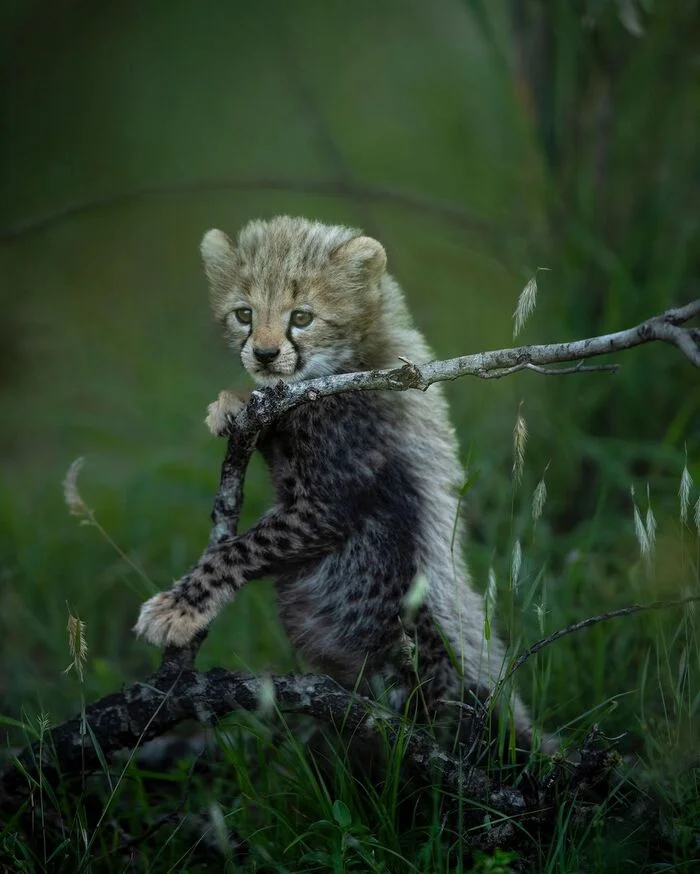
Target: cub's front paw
167, 618
222, 411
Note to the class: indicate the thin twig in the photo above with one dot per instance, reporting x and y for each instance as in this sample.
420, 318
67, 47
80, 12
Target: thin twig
563, 632
587, 623
359, 193
548, 371
577, 368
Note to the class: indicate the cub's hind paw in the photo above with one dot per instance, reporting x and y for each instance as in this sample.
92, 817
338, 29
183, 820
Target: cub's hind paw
167, 618
222, 411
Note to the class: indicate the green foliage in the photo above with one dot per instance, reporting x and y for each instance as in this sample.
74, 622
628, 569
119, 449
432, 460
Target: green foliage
498, 863
517, 135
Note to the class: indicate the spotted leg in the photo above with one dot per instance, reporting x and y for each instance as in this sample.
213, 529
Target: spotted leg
279, 541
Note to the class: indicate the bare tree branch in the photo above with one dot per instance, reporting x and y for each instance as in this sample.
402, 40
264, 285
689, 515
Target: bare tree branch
149, 709
268, 404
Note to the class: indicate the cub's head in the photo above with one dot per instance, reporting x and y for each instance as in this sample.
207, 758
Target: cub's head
299, 299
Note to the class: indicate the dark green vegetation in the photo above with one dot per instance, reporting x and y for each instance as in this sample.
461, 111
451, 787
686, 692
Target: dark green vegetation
562, 134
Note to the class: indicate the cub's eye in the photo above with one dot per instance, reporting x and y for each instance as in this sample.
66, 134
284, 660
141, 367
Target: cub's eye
301, 318
244, 315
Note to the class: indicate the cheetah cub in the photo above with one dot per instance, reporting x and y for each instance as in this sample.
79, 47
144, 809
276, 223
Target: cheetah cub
366, 482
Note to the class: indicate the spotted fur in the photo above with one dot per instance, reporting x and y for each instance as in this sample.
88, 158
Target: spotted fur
366, 482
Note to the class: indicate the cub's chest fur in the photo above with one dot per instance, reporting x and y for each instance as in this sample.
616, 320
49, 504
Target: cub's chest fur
335, 445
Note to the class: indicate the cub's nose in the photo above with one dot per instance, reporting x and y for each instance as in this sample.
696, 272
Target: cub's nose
265, 356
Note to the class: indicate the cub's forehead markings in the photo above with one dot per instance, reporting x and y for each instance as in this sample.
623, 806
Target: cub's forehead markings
311, 292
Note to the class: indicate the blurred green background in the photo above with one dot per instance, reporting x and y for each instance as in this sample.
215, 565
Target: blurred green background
478, 141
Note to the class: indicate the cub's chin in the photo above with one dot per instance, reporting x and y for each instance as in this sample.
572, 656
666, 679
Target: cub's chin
311, 370
268, 378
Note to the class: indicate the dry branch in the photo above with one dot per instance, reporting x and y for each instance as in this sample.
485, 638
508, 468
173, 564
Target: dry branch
145, 710
267, 405
177, 692
485, 365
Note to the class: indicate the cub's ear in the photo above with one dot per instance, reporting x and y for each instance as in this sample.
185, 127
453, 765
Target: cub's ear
362, 257
221, 264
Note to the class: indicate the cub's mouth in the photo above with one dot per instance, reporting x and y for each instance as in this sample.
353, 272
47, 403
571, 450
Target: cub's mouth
269, 363
269, 374
287, 363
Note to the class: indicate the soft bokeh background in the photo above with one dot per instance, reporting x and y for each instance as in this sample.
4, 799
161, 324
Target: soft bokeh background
478, 141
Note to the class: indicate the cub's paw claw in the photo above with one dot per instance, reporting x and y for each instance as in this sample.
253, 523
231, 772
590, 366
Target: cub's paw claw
220, 413
167, 618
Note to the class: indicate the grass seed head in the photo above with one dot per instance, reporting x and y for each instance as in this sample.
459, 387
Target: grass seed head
526, 304
539, 498
515, 563
43, 722
76, 505
650, 523
519, 441
540, 612
640, 531
490, 598
684, 491
77, 645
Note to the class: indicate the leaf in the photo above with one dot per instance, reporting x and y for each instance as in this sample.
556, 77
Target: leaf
471, 479
341, 813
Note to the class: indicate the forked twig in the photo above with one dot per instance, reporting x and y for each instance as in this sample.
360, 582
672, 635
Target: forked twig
582, 624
